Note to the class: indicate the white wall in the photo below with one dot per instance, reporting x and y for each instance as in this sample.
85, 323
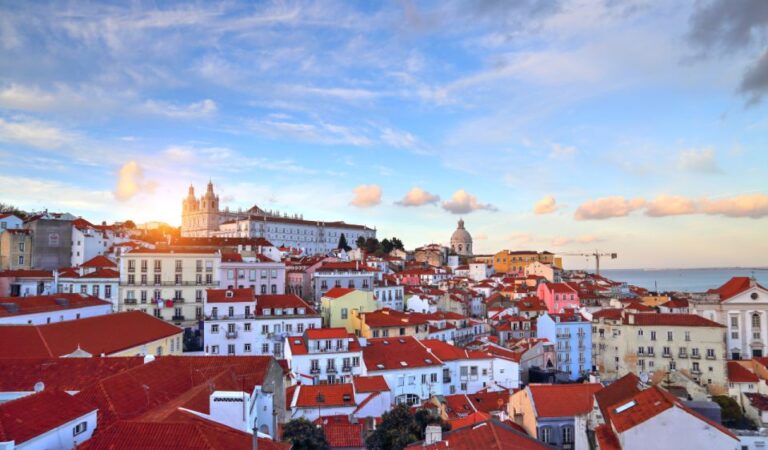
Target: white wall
681, 431
62, 436
57, 316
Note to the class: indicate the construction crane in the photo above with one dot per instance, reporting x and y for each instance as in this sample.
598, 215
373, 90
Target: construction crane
597, 255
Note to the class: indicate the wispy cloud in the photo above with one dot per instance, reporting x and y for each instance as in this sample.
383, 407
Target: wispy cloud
34, 133
546, 205
698, 161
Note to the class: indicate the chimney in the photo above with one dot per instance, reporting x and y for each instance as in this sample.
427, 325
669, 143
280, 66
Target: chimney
631, 319
433, 434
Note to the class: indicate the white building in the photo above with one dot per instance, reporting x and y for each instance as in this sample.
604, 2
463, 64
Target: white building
90, 241
203, 218
740, 305
352, 275
10, 222
327, 355
239, 323
44, 309
412, 372
97, 277
259, 273
388, 295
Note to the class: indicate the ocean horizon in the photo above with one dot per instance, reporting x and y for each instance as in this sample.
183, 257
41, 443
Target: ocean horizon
686, 280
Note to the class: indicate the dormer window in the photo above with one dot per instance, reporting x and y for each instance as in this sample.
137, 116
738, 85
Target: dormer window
229, 294
301, 311
278, 311
266, 311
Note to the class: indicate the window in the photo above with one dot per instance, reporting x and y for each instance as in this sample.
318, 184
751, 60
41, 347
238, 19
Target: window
246, 348
300, 327
214, 349
247, 327
711, 353
80, 428
107, 291
669, 336
214, 328
344, 313
653, 335
264, 348
265, 329
755, 320
544, 434
688, 336
21, 260
433, 378
567, 435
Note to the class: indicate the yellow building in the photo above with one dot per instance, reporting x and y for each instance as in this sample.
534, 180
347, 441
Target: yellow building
16, 249
338, 304
389, 323
508, 261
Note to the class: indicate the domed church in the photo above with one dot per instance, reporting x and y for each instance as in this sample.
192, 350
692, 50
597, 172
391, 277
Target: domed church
461, 241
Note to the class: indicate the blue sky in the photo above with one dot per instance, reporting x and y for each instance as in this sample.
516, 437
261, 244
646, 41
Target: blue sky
631, 126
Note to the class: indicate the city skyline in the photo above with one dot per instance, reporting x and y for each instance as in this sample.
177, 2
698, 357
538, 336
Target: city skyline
631, 127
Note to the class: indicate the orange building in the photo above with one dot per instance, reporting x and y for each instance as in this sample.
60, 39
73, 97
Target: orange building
507, 261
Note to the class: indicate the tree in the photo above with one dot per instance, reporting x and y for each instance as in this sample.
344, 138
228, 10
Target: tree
397, 243
7, 208
400, 427
129, 224
343, 243
360, 242
386, 245
371, 245
303, 435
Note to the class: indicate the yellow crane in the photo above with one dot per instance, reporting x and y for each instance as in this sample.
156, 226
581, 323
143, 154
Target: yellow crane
597, 255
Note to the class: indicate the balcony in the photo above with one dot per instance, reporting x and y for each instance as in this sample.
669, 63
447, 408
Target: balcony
130, 301
232, 334
446, 380
178, 300
346, 369
666, 355
696, 371
177, 318
233, 317
695, 356
330, 370
683, 356
314, 370
711, 357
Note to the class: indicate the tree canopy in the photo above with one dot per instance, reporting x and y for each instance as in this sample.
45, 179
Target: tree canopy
400, 427
343, 243
303, 435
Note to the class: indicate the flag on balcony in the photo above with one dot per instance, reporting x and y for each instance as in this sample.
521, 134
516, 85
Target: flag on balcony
169, 303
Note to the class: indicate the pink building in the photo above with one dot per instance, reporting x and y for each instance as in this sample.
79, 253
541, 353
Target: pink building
558, 296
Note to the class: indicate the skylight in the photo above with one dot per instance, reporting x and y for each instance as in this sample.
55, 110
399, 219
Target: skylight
625, 406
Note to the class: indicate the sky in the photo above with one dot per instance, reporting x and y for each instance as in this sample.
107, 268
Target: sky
631, 126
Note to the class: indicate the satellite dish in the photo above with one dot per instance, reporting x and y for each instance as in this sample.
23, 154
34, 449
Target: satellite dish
39, 386
644, 377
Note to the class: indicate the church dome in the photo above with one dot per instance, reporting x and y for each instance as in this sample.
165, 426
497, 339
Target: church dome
461, 240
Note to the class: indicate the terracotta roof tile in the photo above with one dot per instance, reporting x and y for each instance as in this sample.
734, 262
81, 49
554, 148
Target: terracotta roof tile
375, 383
491, 434
230, 295
340, 432
396, 354
326, 395
733, 287
27, 417
337, 292
16, 306
99, 261
677, 320
563, 400
740, 374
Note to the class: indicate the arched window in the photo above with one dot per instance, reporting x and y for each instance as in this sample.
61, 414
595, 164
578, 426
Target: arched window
755, 320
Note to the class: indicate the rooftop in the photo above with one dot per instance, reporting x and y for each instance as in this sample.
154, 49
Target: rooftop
18, 306
27, 417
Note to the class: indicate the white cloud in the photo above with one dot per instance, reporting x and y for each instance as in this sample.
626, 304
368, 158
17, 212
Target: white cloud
562, 151
463, 202
698, 161
418, 197
201, 109
607, 207
366, 196
561, 241
34, 133
130, 182
546, 205
402, 139
752, 205
670, 205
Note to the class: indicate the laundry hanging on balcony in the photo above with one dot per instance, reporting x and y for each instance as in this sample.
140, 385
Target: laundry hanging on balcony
169, 303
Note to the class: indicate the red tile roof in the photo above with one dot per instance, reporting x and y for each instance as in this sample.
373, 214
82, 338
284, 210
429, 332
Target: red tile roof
99, 261
325, 395
66, 374
471, 419
397, 354
340, 432
23, 273
448, 352
27, 417
606, 440
102, 273
16, 306
759, 401
620, 390
561, 288
740, 374
675, 320
375, 383
326, 333
733, 287
486, 435
231, 257
608, 313
386, 317
230, 295
182, 431
106, 334
648, 404
563, 400
281, 301
338, 292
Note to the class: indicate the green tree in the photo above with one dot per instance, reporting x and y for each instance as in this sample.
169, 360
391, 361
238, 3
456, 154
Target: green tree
303, 435
360, 242
397, 243
371, 245
400, 427
343, 243
386, 245
7, 208
129, 224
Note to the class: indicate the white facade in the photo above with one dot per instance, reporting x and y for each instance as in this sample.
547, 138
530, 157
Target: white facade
264, 277
389, 296
479, 271
420, 304
10, 222
331, 360
239, 328
64, 437
103, 288
59, 315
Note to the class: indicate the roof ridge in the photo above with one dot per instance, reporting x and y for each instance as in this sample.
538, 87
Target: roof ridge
45, 342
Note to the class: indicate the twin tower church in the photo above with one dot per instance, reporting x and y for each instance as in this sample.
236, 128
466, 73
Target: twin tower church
203, 217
